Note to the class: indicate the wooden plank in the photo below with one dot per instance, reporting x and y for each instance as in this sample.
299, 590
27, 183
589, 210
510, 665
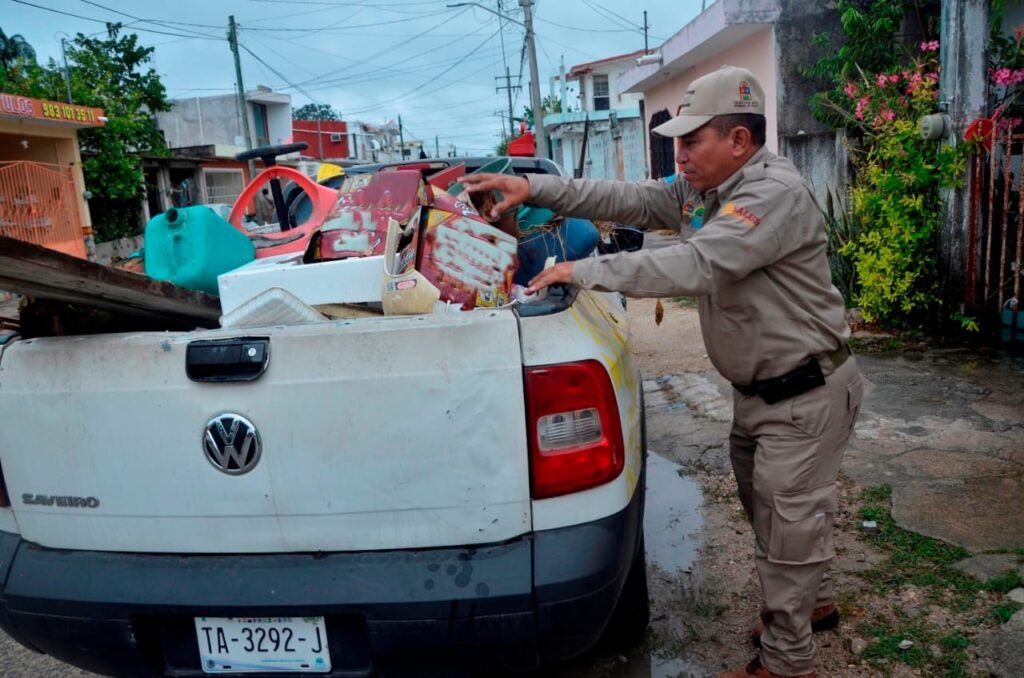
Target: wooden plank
45, 274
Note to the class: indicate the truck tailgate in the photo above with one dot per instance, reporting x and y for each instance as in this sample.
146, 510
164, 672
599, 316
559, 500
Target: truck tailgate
375, 434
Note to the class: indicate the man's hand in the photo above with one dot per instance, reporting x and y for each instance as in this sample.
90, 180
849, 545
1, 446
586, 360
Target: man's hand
516, 190
559, 273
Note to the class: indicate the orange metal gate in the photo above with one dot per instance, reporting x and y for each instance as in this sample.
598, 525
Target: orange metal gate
37, 203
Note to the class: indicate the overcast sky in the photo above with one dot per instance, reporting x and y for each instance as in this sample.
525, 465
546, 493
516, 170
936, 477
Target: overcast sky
370, 59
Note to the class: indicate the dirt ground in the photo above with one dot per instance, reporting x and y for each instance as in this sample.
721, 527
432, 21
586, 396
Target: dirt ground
701, 617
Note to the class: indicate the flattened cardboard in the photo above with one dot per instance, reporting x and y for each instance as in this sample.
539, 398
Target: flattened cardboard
406, 293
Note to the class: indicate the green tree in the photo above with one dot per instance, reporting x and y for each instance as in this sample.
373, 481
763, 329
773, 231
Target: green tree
113, 73
12, 49
548, 104
315, 112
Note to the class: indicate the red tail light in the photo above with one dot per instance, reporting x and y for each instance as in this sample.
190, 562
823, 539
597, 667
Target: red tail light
575, 434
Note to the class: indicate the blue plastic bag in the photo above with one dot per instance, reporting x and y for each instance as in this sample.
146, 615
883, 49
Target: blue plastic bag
572, 240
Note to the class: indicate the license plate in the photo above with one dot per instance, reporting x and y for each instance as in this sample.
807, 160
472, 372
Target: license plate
263, 644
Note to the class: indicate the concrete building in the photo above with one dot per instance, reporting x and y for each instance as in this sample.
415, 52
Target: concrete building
328, 139
204, 134
42, 190
771, 38
215, 121
611, 120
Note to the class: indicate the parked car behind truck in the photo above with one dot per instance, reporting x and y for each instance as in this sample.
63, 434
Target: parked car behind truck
376, 495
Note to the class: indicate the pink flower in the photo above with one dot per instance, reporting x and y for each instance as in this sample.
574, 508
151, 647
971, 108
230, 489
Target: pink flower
862, 106
882, 80
932, 46
888, 114
1007, 78
850, 89
894, 78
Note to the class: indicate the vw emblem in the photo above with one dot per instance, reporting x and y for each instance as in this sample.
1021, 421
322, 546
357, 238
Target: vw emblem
232, 444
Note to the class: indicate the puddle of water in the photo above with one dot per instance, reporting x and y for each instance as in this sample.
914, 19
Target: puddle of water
672, 515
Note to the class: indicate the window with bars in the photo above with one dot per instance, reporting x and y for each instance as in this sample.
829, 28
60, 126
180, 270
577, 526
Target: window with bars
602, 100
663, 161
223, 185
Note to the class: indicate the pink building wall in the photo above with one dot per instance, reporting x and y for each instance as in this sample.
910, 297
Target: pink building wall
757, 54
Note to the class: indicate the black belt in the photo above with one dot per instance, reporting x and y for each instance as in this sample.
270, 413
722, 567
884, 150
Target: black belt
796, 381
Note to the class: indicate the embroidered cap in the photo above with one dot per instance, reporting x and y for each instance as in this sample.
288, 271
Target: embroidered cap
727, 91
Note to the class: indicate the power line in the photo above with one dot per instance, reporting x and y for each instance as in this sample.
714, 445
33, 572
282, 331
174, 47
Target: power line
154, 21
282, 76
368, 60
321, 29
587, 30
605, 12
101, 21
428, 82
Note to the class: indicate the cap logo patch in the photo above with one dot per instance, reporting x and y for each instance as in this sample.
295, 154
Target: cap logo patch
741, 213
746, 99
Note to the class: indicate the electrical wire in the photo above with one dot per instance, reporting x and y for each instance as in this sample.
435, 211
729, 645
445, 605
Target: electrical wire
428, 82
280, 75
101, 21
369, 60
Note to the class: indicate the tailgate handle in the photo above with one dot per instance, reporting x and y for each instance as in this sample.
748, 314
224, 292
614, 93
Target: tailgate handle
227, 360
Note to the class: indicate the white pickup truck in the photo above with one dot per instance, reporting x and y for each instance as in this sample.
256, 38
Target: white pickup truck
450, 492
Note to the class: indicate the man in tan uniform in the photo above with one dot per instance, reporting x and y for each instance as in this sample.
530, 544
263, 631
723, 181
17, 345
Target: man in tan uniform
772, 322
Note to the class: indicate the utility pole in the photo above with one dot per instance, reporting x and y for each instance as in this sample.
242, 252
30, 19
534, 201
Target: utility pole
535, 101
243, 111
67, 73
437, 147
401, 140
508, 88
645, 31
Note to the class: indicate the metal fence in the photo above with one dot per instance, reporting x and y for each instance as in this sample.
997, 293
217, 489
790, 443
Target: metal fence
995, 237
37, 203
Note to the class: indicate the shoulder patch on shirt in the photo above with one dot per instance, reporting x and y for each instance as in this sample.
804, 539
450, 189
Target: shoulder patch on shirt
741, 213
694, 213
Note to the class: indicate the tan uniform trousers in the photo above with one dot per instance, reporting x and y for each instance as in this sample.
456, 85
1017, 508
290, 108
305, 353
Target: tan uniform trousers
786, 459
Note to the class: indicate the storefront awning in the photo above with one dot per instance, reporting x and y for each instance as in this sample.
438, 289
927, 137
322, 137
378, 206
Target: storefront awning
14, 107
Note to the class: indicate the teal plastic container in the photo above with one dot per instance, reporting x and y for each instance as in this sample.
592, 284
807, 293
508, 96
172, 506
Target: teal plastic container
191, 246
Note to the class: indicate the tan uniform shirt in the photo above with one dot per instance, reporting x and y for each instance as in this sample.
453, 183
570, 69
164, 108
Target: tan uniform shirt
758, 263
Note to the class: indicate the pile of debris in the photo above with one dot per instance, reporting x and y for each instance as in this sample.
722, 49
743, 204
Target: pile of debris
384, 243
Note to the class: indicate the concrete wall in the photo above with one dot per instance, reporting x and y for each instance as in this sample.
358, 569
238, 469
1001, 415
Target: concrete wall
202, 120
816, 150
106, 251
612, 70
964, 84
317, 133
279, 120
756, 54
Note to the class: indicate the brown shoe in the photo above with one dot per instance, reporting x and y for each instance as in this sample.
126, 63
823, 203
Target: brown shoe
822, 619
755, 669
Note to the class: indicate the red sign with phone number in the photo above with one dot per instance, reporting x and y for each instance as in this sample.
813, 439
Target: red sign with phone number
25, 107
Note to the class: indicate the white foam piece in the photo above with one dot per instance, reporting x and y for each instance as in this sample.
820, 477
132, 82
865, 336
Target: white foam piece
346, 281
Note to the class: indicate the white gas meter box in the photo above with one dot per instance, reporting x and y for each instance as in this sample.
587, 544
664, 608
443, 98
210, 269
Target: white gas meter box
346, 281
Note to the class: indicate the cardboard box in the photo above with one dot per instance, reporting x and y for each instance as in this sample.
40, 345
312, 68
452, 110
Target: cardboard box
467, 259
366, 204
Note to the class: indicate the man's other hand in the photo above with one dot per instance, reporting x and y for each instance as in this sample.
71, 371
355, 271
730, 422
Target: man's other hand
516, 190
559, 273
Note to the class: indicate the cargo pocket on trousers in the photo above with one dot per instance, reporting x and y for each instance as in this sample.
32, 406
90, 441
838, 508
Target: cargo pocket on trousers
802, 526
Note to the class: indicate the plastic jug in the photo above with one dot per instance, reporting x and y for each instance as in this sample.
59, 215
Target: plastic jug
191, 246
